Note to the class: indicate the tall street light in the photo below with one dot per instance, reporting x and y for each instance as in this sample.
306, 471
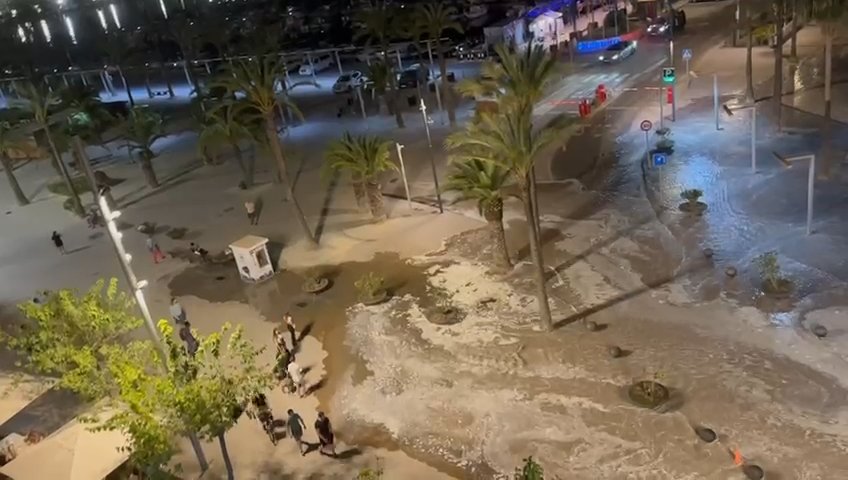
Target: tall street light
423, 108
811, 180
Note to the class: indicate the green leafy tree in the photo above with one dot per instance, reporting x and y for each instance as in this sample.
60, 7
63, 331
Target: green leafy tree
378, 25
206, 392
142, 128
41, 101
531, 470
9, 140
225, 126
484, 182
365, 158
437, 18
509, 139
68, 336
378, 74
257, 81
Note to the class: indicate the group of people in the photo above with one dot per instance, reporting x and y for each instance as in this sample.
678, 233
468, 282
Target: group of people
289, 372
179, 315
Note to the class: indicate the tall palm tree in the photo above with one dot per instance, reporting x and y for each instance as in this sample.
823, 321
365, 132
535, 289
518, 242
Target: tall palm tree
225, 127
831, 15
484, 182
365, 158
141, 130
379, 25
509, 140
41, 100
115, 46
779, 19
256, 82
9, 141
438, 18
378, 74
757, 28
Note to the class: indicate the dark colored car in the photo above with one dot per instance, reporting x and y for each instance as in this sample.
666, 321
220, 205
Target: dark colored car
413, 75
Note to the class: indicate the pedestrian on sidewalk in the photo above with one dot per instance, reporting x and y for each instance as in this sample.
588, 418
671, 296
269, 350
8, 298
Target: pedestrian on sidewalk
280, 342
325, 435
177, 311
57, 241
200, 252
296, 426
290, 326
297, 377
188, 338
153, 248
250, 208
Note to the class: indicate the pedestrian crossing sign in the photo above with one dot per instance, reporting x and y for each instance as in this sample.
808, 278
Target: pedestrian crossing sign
659, 159
668, 74
687, 54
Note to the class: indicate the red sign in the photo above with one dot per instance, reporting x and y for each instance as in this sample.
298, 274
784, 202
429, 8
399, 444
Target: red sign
646, 125
669, 95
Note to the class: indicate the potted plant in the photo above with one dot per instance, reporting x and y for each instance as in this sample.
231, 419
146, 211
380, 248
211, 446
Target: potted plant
664, 145
314, 281
444, 312
692, 205
773, 282
648, 393
372, 290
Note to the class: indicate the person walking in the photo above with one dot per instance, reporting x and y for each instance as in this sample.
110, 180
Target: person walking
177, 311
325, 435
295, 427
200, 252
188, 338
280, 342
291, 328
297, 377
250, 208
153, 248
57, 241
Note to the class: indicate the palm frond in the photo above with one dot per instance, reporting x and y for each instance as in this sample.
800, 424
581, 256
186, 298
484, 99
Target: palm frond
364, 156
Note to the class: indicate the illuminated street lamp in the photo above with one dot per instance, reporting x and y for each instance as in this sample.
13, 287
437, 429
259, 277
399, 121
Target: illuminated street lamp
423, 108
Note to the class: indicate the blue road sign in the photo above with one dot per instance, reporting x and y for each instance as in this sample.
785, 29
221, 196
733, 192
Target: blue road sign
687, 53
659, 159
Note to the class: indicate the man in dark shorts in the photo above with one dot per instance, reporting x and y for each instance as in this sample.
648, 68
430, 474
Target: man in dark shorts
325, 435
296, 426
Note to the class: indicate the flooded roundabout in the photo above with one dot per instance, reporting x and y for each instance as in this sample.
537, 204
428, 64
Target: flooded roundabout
453, 369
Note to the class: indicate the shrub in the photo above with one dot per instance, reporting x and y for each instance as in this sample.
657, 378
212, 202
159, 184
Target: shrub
369, 474
58, 186
531, 470
369, 285
665, 144
770, 270
691, 195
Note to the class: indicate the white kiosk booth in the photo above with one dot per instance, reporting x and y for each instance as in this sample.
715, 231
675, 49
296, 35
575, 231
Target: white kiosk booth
252, 259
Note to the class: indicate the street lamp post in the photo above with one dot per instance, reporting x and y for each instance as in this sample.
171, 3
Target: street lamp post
403, 174
811, 180
423, 108
753, 108
438, 83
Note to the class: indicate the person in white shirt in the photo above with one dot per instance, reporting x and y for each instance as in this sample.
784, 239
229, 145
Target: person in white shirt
177, 311
296, 375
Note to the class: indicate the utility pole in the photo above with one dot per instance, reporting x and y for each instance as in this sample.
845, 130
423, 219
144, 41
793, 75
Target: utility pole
423, 108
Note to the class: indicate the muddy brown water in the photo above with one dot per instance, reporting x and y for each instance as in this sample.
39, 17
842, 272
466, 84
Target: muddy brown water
324, 315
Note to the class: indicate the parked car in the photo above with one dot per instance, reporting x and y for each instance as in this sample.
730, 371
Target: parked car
618, 51
661, 26
319, 62
348, 81
413, 75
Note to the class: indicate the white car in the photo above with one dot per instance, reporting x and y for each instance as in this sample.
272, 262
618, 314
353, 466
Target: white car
318, 63
618, 51
348, 81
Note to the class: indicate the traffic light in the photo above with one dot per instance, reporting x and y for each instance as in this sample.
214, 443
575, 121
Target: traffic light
668, 75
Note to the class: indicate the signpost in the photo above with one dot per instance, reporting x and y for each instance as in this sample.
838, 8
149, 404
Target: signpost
659, 159
646, 126
687, 55
669, 77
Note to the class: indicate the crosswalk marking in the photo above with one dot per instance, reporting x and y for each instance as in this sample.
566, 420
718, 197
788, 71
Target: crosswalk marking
580, 86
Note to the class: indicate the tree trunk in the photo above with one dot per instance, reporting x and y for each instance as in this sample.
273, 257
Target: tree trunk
146, 161
126, 86
536, 256
375, 199
226, 454
393, 93
444, 85
777, 95
749, 63
277, 152
147, 82
828, 83
198, 451
793, 49
8, 167
359, 191
64, 171
167, 78
493, 213
245, 167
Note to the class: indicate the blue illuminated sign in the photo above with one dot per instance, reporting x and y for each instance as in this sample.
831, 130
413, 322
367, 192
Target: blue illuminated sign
589, 46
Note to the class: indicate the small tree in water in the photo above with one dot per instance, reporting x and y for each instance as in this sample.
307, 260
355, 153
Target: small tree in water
530, 471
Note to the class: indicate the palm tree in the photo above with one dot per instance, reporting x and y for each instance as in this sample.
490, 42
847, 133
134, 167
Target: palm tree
437, 18
378, 74
756, 28
510, 139
256, 82
40, 101
115, 47
224, 126
830, 16
379, 24
779, 19
141, 130
365, 158
9, 141
484, 182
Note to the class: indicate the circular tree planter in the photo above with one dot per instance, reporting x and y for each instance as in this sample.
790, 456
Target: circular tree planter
781, 289
615, 351
819, 331
447, 315
592, 326
695, 208
754, 472
648, 394
707, 435
730, 271
375, 298
315, 285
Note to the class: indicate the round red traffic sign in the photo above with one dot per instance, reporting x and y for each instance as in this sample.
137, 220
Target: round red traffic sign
646, 125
